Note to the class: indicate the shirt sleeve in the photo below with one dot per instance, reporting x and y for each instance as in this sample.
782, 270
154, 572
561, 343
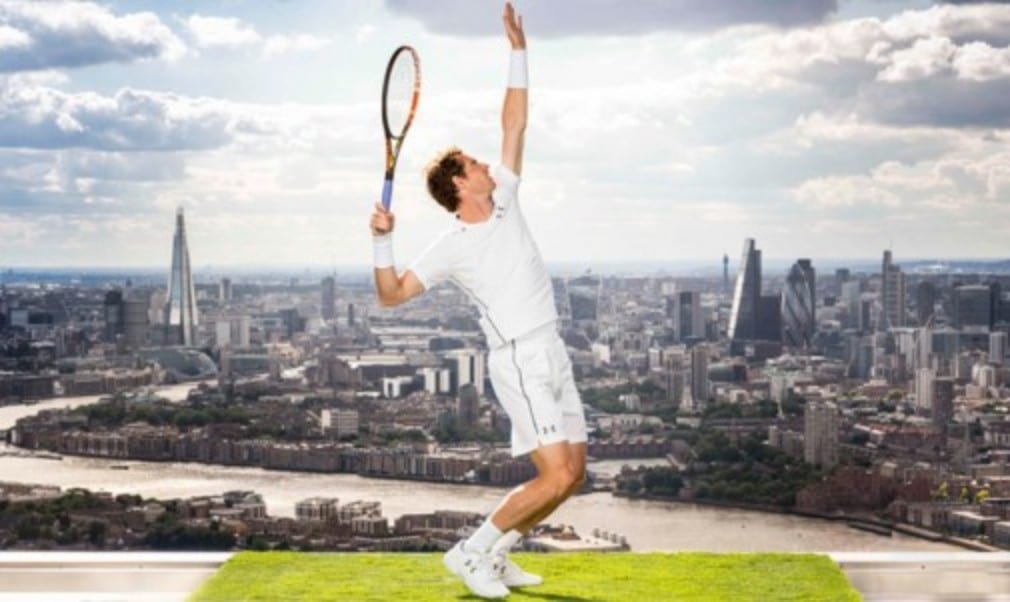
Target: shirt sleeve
506, 189
434, 264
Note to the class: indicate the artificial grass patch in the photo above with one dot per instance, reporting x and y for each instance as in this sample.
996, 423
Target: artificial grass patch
579, 577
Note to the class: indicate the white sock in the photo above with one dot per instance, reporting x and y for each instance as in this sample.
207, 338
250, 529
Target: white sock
483, 538
505, 542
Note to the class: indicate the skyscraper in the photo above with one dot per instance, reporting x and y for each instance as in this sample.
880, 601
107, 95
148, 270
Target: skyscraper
768, 318
798, 306
925, 389
943, 404
470, 369
181, 316
892, 292
820, 433
329, 300
224, 291
584, 297
114, 310
746, 294
973, 307
699, 376
997, 347
842, 275
689, 320
925, 301
725, 273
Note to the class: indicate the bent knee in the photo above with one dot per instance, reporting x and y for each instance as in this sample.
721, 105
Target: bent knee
561, 480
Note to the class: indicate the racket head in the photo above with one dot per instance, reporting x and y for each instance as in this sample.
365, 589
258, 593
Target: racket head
401, 90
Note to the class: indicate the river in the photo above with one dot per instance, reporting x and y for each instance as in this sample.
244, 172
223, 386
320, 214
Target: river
648, 525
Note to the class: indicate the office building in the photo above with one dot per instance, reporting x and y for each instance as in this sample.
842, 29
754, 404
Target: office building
926, 296
689, 318
798, 306
997, 347
746, 294
820, 433
470, 369
699, 376
181, 315
892, 293
943, 404
224, 291
972, 307
925, 389
329, 298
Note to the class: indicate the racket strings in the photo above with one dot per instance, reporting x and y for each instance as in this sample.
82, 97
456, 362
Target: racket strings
401, 96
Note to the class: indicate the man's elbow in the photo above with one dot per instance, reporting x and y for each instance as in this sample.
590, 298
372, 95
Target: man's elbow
389, 300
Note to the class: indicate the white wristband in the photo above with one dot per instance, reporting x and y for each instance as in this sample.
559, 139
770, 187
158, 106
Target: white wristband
383, 250
518, 73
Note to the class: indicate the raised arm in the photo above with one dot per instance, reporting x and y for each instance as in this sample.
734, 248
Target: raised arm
513, 115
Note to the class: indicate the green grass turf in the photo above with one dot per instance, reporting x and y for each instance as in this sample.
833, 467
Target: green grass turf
580, 577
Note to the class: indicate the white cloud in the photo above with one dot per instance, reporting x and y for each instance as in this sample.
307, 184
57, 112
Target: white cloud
303, 42
43, 35
228, 32
365, 33
834, 191
232, 33
38, 116
658, 146
909, 45
974, 177
13, 38
926, 57
610, 17
979, 61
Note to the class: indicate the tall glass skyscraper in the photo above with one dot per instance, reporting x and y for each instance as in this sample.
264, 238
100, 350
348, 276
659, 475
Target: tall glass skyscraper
181, 317
798, 306
746, 295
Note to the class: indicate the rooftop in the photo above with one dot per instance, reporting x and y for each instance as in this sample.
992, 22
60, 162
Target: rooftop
30, 576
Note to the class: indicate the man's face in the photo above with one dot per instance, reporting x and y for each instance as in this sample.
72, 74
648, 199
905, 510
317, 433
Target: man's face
476, 176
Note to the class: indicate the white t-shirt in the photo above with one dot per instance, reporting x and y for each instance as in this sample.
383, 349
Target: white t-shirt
498, 265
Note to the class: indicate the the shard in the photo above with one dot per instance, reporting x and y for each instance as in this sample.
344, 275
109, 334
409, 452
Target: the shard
181, 316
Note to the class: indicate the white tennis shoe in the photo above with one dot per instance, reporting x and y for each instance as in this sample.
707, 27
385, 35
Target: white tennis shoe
476, 570
513, 576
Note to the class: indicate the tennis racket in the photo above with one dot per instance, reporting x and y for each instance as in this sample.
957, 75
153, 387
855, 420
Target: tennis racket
401, 89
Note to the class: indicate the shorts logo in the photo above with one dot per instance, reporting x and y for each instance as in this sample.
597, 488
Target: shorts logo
550, 429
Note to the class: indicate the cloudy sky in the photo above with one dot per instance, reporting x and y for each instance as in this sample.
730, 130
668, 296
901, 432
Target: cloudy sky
661, 130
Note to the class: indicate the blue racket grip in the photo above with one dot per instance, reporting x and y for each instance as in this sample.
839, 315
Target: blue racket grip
387, 194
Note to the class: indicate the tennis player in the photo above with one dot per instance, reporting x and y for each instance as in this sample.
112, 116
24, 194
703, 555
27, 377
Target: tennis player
490, 254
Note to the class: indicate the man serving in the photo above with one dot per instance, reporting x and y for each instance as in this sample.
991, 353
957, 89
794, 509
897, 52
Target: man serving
490, 254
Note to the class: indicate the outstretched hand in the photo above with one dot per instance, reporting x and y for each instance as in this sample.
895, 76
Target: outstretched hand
514, 27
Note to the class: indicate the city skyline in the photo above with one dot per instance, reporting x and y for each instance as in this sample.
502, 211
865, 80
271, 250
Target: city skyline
666, 133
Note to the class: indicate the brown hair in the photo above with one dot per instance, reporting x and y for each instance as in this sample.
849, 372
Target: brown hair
439, 175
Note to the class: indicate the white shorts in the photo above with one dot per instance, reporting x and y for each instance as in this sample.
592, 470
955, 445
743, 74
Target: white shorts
532, 378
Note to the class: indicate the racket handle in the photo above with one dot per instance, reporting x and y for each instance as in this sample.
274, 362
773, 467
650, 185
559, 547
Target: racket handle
387, 193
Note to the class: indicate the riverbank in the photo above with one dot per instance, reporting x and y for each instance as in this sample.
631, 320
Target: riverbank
873, 524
